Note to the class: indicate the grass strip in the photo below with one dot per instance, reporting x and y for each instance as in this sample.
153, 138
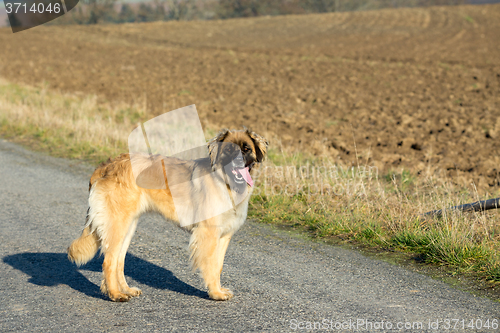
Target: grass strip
321, 197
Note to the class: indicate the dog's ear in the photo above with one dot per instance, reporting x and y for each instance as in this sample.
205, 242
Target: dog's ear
260, 145
214, 144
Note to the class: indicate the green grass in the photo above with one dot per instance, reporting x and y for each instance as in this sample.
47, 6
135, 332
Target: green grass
384, 212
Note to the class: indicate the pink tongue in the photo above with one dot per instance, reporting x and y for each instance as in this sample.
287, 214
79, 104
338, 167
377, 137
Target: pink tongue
246, 175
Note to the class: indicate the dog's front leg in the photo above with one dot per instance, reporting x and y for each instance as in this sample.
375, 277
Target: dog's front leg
207, 255
221, 253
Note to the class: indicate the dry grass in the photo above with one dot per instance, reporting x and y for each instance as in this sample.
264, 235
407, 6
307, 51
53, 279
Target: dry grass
359, 203
326, 199
65, 124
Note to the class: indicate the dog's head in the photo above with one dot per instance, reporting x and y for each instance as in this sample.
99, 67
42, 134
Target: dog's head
236, 152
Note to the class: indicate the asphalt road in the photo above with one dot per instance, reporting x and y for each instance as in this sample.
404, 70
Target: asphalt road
280, 282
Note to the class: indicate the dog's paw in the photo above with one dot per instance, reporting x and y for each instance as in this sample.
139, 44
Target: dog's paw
119, 297
221, 295
133, 291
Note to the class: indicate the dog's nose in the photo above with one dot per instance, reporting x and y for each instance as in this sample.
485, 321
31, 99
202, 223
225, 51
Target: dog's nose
239, 160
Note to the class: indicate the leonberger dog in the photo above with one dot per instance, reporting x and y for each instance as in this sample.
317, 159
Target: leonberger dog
117, 199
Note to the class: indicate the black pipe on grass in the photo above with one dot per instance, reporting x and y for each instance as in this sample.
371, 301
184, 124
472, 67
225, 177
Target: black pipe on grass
478, 206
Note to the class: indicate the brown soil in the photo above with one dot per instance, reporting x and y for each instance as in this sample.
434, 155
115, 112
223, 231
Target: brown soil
413, 88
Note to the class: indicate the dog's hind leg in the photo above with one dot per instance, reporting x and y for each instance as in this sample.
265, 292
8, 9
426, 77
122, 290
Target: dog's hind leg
113, 244
206, 248
124, 288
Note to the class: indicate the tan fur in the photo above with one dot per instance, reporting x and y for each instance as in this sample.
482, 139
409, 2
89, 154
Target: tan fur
84, 248
116, 202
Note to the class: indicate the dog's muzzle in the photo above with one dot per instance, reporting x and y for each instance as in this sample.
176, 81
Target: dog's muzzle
240, 172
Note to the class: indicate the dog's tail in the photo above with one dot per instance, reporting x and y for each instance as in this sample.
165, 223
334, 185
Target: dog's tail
84, 248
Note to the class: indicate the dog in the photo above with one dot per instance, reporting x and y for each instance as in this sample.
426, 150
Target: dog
117, 199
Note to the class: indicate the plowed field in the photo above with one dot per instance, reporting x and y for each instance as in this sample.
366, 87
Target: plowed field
413, 88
